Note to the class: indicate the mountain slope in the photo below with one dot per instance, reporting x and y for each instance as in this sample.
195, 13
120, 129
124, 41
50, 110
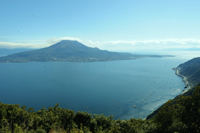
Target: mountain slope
68, 51
191, 70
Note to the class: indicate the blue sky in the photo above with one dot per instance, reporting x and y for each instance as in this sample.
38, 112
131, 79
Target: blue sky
116, 25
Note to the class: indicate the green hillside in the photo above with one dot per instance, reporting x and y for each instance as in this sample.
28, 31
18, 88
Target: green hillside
191, 70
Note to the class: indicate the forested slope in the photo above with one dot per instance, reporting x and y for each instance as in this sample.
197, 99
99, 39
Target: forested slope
179, 115
191, 70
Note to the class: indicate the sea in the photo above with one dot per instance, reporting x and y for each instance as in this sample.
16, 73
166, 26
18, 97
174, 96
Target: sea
124, 89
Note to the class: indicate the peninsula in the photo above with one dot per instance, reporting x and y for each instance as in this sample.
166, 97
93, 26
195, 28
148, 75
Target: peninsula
70, 51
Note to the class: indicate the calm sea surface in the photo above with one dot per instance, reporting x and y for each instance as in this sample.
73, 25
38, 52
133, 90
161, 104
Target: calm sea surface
111, 88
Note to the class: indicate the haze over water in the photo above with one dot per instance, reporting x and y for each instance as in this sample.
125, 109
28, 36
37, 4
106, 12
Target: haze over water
111, 88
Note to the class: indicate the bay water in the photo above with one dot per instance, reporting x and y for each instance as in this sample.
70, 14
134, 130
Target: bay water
125, 89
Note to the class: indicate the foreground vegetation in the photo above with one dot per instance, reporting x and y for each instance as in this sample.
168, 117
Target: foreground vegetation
179, 115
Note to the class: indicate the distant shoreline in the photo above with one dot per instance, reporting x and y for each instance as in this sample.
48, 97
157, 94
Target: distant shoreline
184, 79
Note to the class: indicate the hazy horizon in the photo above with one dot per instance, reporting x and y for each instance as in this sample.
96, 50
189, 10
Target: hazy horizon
123, 26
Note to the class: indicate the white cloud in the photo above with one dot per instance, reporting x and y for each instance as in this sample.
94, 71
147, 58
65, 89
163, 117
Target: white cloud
10, 45
125, 46
90, 41
162, 42
146, 44
54, 40
46, 43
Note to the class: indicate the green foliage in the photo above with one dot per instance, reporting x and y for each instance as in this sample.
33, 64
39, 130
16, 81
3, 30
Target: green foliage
82, 119
179, 115
40, 131
191, 70
104, 122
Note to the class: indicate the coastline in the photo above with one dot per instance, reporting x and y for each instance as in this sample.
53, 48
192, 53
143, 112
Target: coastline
187, 87
184, 79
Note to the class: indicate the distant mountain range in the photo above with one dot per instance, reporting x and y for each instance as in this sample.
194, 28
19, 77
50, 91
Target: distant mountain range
69, 51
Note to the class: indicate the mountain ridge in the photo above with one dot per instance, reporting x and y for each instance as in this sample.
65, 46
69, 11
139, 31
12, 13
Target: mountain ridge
69, 51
